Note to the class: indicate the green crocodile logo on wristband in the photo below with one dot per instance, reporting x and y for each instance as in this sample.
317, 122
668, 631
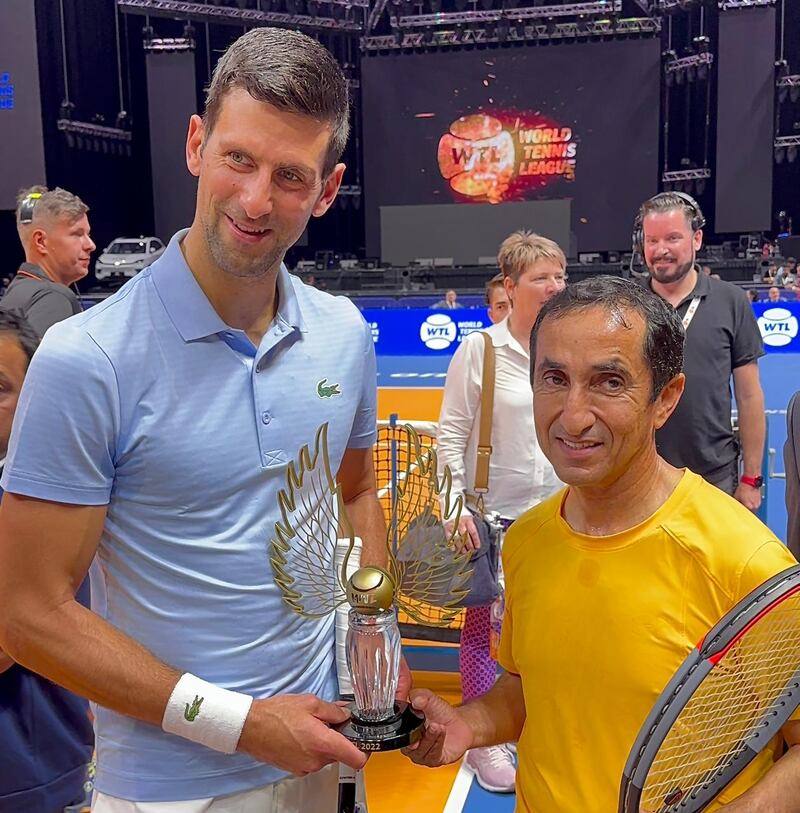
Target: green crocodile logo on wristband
192, 711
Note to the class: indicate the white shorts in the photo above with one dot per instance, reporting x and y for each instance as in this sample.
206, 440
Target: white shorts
318, 792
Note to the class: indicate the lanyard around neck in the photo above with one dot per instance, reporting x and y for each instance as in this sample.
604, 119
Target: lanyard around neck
691, 311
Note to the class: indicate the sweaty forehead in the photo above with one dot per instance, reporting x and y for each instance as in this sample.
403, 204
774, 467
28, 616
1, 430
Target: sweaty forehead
592, 336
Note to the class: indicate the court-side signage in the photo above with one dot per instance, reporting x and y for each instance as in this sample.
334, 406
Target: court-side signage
779, 326
419, 332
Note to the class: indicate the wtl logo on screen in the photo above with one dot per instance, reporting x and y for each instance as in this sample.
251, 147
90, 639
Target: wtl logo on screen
499, 157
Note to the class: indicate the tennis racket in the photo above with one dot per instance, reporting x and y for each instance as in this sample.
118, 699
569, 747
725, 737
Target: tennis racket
347, 776
722, 707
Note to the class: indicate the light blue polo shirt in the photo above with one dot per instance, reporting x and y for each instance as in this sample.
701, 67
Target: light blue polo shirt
151, 404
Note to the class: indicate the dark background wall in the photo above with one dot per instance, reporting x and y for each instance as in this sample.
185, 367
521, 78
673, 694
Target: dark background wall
745, 120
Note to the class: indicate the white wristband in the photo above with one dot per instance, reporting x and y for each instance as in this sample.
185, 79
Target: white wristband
205, 713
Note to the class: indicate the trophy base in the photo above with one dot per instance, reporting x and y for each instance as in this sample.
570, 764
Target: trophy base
403, 729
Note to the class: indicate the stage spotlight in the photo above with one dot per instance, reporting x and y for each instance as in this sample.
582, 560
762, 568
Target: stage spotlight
680, 76
436, 6
702, 72
794, 93
427, 36
783, 94
398, 36
519, 28
780, 152
791, 154
700, 186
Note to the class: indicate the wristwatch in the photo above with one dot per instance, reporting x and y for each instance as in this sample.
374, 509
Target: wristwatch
753, 482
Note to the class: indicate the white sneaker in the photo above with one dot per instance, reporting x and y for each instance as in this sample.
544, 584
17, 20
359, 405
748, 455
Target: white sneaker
493, 768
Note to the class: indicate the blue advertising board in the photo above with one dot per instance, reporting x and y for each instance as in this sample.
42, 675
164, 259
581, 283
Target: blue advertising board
421, 332
779, 326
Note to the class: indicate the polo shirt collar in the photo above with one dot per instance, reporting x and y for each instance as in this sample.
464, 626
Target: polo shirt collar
36, 270
701, 288
188, 306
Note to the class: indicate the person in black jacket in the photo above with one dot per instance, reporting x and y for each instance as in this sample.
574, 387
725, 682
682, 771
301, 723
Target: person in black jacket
45, 731
54, 230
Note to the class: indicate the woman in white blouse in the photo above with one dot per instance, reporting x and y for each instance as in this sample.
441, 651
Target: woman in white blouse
520, 476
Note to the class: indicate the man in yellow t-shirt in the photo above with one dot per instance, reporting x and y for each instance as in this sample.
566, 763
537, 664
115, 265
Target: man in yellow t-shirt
613, 581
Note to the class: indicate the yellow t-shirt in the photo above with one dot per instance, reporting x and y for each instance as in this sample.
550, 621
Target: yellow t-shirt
596, 626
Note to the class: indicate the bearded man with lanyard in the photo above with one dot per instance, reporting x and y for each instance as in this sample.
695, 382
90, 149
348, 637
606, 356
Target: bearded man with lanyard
722, 340
54, 230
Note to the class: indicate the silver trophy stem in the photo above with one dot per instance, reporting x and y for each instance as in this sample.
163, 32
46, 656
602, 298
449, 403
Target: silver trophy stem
373, 658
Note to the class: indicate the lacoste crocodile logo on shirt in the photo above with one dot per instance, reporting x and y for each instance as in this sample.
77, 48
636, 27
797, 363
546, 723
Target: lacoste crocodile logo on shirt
325, 390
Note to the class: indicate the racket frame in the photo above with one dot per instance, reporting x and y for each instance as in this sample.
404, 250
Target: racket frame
679, 691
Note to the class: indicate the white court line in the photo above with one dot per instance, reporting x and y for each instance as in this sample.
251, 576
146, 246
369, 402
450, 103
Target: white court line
459, 791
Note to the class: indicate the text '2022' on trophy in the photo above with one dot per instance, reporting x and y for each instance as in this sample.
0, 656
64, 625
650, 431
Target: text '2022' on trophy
424, 576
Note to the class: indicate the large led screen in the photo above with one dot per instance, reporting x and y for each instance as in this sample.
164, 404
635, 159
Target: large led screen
21, 141
577, 121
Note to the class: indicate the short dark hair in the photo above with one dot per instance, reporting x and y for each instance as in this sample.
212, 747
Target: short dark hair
14, 323
664, 335
290, 71
495, 282
669, 202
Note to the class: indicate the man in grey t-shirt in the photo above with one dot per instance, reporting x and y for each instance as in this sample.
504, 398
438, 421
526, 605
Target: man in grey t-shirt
54, 230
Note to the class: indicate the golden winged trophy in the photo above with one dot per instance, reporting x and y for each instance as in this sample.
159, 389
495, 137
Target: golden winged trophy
315, 559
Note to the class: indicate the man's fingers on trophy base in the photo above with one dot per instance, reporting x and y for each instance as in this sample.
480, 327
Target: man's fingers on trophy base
340, 749
332, 713
429, 748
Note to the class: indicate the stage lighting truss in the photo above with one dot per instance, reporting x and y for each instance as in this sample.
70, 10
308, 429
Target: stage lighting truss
599, 8
727, 5
691, 181
461, 35
685, 176
788, 147
93, 137
169, 45
688, 62
210, 13
788, 87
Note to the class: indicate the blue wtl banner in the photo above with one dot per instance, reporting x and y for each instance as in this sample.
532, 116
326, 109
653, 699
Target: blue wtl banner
420, 332
779, 326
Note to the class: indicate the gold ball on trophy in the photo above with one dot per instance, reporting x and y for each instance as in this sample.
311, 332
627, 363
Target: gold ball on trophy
370, 590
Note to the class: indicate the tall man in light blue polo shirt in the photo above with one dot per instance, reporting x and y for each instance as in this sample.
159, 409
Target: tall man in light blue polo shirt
155, 430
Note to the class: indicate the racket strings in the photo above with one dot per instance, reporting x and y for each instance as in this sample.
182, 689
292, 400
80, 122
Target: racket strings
732, 705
